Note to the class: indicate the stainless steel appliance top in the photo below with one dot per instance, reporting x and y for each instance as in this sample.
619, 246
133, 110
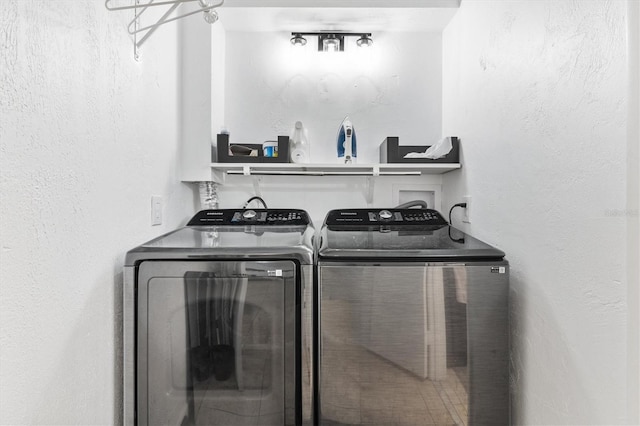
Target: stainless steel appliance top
398, 233
234, 234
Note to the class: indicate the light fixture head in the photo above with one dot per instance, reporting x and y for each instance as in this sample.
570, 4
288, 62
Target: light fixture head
364, 40
331, 42
298, 40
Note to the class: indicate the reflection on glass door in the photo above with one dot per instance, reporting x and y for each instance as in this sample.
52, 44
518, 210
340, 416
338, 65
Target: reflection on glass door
393, 345
220, 344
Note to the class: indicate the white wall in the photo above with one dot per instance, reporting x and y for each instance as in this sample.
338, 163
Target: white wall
87, 135
537, 92
391, 89
633, 214
318, 195
195, 45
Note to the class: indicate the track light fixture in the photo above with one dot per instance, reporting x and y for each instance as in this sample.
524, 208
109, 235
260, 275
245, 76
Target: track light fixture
331, 41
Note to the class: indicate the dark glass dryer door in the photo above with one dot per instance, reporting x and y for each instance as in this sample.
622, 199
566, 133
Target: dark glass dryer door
413, 343
216, 342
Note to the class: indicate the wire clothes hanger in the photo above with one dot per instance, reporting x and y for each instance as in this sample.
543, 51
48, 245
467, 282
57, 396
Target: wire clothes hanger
206, 6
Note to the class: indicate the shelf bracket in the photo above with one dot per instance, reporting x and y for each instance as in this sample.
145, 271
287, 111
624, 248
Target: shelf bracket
369, 189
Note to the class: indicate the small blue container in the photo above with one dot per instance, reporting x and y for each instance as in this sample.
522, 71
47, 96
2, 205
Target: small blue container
270, 149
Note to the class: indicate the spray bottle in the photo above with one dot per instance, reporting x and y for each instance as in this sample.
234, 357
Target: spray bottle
299, 144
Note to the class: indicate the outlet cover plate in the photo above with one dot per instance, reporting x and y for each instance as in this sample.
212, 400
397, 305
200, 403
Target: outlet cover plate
156, 210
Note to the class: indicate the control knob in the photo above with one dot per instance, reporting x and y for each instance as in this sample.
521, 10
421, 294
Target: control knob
385, 214
249, 214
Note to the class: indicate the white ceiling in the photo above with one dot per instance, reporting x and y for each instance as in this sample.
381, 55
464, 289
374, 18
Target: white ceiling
337, 15
342, 3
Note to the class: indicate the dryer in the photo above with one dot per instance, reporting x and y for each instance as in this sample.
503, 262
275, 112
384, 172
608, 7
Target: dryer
217, 321
412, 322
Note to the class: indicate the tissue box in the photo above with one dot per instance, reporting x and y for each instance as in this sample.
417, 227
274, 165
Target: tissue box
392, 152
222, 149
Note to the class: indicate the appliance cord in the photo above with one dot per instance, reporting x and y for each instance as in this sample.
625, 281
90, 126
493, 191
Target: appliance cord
457, 240
463, 205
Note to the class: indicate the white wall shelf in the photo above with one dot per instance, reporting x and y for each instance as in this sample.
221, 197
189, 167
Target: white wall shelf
221, 170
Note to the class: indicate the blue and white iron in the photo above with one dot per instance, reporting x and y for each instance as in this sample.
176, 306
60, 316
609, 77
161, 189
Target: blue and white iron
347, 151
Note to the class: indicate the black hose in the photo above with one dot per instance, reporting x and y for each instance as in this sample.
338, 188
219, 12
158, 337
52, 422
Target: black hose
409, 204
255, 198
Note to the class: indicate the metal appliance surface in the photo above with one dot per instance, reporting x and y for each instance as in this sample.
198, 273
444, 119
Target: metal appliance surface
412, 322
217, 321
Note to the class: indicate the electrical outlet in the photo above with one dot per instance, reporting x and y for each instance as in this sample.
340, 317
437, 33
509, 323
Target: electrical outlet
466, 214
156, 210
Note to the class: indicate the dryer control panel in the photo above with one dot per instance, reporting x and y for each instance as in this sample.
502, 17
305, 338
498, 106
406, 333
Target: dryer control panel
262, 217
391, 217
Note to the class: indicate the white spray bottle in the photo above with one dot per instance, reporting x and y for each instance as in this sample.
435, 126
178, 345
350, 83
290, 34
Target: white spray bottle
299, 144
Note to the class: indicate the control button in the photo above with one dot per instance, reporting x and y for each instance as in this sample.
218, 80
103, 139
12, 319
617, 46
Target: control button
249, 214
385, 214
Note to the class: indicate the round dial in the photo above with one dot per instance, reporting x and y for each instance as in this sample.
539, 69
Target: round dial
385, 214
249, 214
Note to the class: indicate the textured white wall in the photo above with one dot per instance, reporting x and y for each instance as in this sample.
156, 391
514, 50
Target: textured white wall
86, 136
633, 213
537, 92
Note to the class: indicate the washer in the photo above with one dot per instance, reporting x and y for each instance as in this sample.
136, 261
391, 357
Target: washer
412, 322
217, 321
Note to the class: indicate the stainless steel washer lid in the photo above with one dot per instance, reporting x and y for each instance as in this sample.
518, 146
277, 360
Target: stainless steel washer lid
395, 234
234, 234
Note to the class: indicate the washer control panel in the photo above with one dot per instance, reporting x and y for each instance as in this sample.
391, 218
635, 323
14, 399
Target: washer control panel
262, 217
373, 217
